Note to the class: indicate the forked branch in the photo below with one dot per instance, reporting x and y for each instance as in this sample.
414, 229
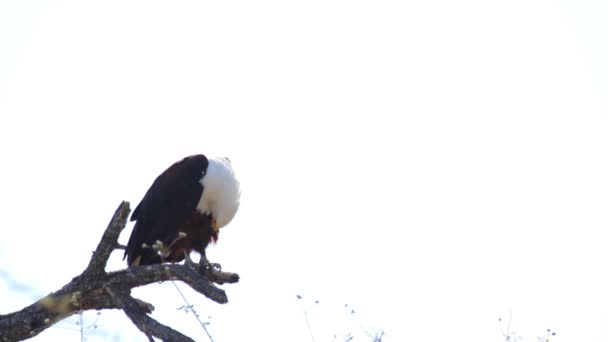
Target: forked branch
96, 289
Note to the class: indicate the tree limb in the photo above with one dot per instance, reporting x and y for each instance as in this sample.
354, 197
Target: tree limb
96, 289
109, 241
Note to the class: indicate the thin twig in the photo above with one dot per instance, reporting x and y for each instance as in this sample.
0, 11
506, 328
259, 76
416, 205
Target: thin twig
191, 307
312, 337
81, 328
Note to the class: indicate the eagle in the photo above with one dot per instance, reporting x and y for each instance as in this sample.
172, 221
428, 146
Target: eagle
183, 211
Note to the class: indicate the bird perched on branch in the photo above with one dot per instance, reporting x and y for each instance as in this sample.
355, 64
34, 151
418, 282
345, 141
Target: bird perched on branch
183, 211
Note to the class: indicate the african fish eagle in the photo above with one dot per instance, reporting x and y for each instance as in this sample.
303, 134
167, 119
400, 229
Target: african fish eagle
183, 211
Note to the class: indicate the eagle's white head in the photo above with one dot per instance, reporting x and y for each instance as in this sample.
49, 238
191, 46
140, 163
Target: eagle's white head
221, 193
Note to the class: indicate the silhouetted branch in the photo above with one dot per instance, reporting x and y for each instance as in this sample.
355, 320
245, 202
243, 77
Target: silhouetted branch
96, 289
109, 241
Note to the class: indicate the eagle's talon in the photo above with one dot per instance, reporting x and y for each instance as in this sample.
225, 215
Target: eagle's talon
188, 262
205, 265
210, 267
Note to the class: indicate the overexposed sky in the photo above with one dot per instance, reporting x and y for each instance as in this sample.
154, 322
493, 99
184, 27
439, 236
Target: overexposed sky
434, 164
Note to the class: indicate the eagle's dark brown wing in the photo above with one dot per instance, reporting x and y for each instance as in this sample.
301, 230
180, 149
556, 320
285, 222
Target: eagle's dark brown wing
169, 202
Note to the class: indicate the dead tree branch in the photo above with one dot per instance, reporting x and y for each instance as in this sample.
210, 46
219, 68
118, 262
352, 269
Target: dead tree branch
96, 289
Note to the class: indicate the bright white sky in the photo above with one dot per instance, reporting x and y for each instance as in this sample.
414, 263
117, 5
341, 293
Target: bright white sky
435, 164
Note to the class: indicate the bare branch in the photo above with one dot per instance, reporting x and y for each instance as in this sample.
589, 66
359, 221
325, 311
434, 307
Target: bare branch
222, 277
96, 289
109, 241
149, 326
137, 311
144, 275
